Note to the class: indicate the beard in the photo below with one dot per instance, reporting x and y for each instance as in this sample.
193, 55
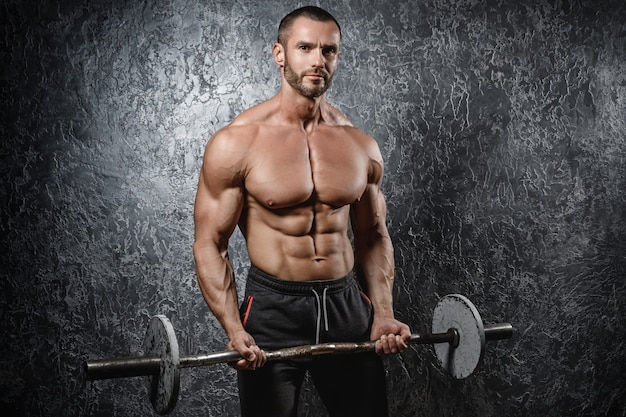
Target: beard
310, 91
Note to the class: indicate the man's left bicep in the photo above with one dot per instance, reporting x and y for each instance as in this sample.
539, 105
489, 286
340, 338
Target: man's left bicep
369, 214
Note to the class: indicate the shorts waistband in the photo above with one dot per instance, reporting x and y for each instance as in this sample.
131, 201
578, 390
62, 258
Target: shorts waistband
299, 287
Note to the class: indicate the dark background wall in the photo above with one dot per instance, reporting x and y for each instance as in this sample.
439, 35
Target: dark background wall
502, 124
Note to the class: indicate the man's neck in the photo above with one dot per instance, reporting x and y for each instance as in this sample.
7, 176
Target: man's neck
301, 110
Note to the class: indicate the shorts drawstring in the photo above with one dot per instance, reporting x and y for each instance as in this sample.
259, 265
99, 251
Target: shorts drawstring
321, 310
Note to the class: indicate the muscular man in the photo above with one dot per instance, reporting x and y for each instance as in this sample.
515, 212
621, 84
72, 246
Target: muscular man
295, 176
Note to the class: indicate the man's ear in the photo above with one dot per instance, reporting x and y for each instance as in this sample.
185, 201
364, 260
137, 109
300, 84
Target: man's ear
279, 54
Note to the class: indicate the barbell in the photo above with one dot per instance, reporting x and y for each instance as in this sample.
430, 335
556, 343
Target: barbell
458, 334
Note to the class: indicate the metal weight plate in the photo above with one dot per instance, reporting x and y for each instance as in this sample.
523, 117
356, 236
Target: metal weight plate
161, 341
456, 311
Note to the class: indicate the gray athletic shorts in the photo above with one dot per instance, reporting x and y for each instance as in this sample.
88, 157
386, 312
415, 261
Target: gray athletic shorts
279, 313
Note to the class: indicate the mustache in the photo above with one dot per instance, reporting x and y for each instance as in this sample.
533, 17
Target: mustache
319, 71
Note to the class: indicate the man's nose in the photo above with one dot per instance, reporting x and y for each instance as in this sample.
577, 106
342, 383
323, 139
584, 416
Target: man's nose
318, 58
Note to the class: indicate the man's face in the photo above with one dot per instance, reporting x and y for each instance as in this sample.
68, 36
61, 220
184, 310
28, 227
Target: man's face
311, 56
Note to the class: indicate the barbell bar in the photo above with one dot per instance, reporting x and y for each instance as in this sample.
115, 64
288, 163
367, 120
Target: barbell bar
458, 335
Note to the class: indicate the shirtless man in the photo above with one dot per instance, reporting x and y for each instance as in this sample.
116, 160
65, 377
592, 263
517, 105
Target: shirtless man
295, 175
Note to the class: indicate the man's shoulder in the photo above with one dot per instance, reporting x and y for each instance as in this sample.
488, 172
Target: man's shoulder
334, 118
245, 126
338, 120
231, 136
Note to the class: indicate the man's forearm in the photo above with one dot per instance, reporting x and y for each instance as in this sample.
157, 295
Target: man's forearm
217, 283
375, 268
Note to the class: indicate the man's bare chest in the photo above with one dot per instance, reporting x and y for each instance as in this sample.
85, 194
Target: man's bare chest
288, 172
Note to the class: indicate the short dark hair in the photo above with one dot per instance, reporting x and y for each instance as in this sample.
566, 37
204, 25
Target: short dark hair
310, 12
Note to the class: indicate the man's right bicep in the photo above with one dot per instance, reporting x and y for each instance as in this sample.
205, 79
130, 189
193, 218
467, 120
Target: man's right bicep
217, 209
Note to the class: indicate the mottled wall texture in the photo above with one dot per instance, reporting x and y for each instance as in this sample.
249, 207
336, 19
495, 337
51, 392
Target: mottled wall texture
503, 128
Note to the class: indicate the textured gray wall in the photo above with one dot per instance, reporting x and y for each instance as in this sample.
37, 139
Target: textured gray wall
504, 132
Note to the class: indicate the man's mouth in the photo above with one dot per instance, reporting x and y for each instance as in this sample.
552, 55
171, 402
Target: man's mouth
315, 75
